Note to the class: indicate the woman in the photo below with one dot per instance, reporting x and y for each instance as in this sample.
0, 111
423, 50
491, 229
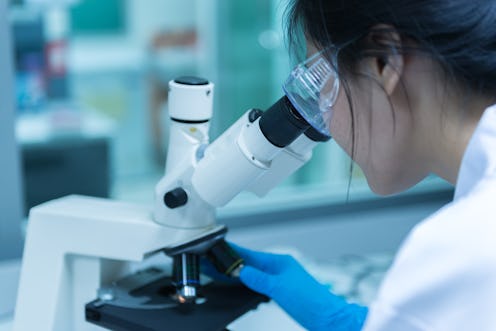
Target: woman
417, 85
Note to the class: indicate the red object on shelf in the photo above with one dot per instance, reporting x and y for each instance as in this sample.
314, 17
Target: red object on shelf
56, 58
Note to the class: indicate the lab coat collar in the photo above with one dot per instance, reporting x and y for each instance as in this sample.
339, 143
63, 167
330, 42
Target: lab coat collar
479, 159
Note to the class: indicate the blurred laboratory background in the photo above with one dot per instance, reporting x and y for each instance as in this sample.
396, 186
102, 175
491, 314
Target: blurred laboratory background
91, 93
90, 87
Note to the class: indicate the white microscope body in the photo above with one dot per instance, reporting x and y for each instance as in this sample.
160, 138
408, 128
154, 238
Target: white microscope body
75, 245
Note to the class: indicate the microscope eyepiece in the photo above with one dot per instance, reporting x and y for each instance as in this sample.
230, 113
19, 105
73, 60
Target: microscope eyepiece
281, 124
191, 80
316, 135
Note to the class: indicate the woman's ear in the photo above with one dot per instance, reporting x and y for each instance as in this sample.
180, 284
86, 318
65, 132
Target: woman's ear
387, 66
391, 72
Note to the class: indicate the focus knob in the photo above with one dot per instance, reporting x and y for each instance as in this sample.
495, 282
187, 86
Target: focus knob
176, 198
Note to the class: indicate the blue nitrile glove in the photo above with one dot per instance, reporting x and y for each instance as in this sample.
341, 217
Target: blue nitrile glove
310, 303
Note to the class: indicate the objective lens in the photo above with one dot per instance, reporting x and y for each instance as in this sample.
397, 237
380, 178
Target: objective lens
186, 276
225, 259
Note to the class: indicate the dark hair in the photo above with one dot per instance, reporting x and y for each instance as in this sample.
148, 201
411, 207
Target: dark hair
459, 34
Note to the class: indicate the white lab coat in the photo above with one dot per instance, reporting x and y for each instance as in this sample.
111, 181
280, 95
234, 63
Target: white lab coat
444, 276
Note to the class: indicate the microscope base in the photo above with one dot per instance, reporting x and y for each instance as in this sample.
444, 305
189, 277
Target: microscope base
159, 312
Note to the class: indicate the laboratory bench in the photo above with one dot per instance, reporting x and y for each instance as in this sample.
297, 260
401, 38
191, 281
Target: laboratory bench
347, 247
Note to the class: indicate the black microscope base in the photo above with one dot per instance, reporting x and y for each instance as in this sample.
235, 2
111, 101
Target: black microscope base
224, 304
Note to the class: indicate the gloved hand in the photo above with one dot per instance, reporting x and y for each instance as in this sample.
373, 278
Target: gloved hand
310, 303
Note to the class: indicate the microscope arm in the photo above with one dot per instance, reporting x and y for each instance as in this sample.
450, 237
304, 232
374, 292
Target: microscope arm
259, 151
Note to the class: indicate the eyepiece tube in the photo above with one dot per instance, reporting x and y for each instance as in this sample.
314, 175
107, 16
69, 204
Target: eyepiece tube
281, 124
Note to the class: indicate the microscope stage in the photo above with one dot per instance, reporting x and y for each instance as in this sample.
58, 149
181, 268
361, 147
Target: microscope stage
152, 308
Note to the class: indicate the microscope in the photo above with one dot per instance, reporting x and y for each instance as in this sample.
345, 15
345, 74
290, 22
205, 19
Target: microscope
84, 264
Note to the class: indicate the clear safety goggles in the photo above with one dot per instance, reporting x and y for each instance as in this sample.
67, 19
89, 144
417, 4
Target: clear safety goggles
313, 87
